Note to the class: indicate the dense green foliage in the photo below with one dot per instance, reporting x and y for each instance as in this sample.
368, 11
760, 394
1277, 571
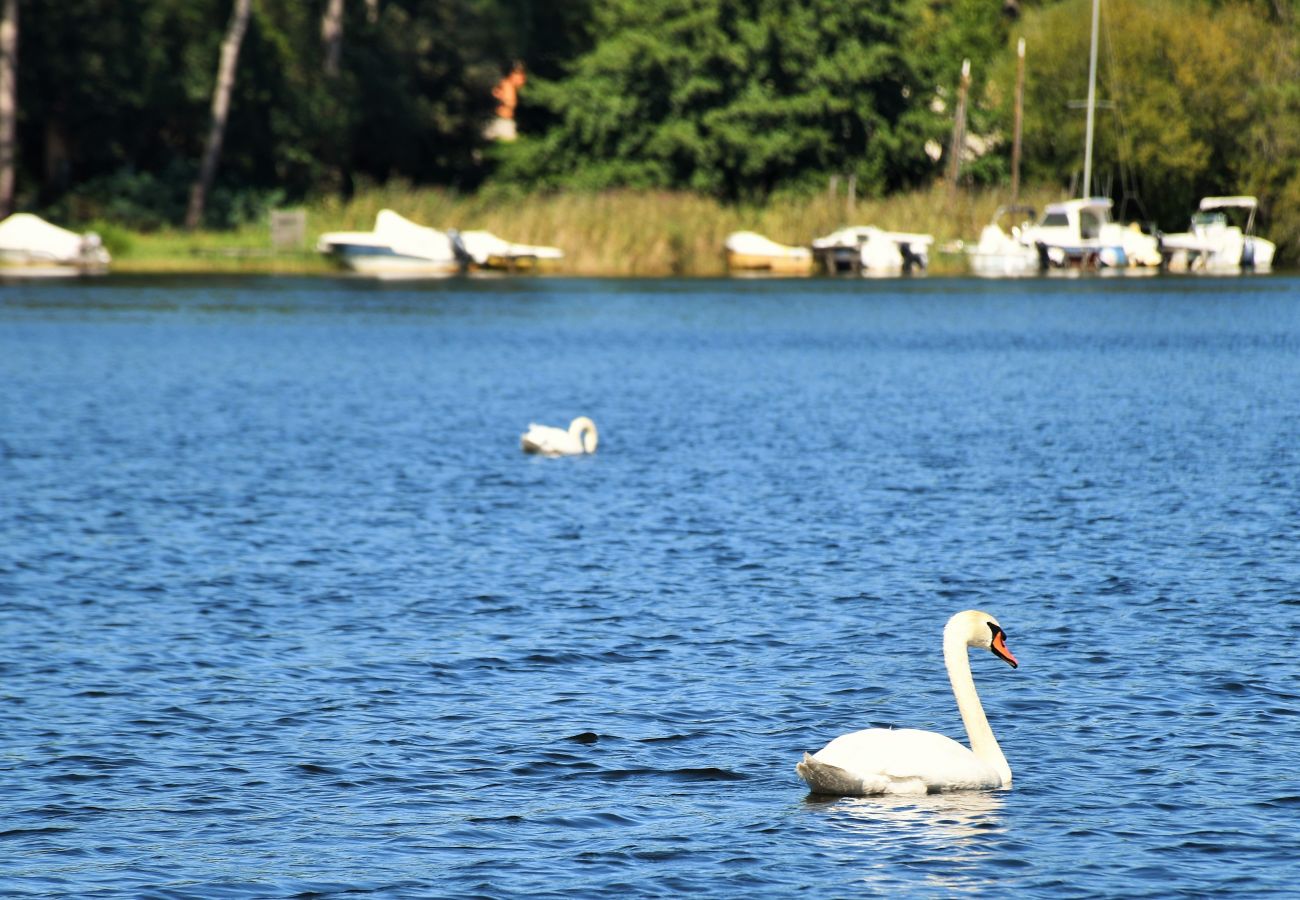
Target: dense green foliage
735, 99
732, 98
114, 101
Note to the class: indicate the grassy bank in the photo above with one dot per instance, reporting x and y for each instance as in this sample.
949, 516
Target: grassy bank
619, 233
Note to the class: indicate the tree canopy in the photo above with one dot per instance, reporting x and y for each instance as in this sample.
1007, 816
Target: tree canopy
733, 98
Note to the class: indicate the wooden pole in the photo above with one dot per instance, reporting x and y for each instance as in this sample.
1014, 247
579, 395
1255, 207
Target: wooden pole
1020, 112
1092, 102
220, 111
958, 128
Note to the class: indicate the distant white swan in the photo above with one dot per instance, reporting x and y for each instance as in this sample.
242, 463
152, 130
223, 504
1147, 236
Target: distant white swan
547, 440
907, 761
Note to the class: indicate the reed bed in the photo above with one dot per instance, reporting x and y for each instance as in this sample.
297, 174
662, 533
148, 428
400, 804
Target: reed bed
620, 233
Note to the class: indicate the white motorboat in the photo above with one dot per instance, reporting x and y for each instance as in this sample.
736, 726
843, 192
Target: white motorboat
31, 246
397, 247
1005, 253
867, 250
1214, 244
484, 250
1079, 234
751, 253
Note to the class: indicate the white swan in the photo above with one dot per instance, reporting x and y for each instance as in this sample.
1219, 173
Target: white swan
550, 441
907, 761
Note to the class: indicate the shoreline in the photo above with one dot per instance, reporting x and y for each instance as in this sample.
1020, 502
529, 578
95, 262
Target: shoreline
613, 234
607, 234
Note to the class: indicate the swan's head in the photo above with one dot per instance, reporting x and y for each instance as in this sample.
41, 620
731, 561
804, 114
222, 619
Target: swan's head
585, 429
979, 629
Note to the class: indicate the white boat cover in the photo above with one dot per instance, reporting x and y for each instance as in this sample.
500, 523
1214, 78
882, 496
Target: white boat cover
879, 252
30, 238
398, 234
409, 239
483, 246
751, 243
857, 235
1000, 254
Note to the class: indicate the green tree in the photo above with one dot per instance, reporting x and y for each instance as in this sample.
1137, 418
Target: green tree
418, 93
114, 99
732, 97
943, 34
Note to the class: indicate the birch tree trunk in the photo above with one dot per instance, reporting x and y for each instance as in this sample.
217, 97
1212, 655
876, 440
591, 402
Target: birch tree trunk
331, 35
372, 11
220, 111
8, 102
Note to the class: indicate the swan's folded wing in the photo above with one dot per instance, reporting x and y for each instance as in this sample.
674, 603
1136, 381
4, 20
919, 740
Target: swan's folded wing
823, 778
906, 761
539, 438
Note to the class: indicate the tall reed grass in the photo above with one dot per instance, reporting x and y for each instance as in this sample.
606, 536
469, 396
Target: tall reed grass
613, 233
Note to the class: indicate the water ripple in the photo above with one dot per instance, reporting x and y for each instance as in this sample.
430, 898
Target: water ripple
286, 612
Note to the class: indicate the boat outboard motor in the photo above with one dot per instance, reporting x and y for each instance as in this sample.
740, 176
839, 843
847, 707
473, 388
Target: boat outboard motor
1044, 258
1248, 253
912, 261
458, 248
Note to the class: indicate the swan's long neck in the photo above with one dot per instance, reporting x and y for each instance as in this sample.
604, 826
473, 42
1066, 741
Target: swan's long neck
982, 742
584, 431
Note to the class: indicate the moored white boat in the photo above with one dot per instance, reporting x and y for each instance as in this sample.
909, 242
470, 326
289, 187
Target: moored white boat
751, 253
397, 247
1005, 254
31, 246
1079, 234
868, 250
485, 250
1214, 244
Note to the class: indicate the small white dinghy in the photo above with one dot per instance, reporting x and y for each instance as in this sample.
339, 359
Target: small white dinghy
396, 248
1213, 244
751, 253
1004, 253
488, 252
31, 246
868, 250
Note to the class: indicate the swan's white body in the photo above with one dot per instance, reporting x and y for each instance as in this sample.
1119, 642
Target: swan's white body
581, 437
907, 761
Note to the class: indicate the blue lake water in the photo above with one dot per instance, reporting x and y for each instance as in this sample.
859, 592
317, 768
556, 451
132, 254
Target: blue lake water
285, 611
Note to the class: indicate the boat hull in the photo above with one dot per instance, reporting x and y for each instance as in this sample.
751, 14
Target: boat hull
387, 262
757, 263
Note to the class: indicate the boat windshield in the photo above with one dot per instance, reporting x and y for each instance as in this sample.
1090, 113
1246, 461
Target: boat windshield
1089, 224
1056, 220
1206, 219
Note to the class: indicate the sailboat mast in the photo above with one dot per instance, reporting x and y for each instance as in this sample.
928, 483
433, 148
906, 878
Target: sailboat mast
1020, 110
1092, 101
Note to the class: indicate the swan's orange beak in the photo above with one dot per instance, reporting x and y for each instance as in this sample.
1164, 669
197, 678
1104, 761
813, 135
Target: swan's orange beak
1000, 648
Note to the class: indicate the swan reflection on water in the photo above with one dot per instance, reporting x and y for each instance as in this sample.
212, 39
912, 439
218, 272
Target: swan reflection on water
954, 817
936, 842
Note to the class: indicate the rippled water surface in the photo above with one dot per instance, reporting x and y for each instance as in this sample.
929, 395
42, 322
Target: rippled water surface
284, 610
